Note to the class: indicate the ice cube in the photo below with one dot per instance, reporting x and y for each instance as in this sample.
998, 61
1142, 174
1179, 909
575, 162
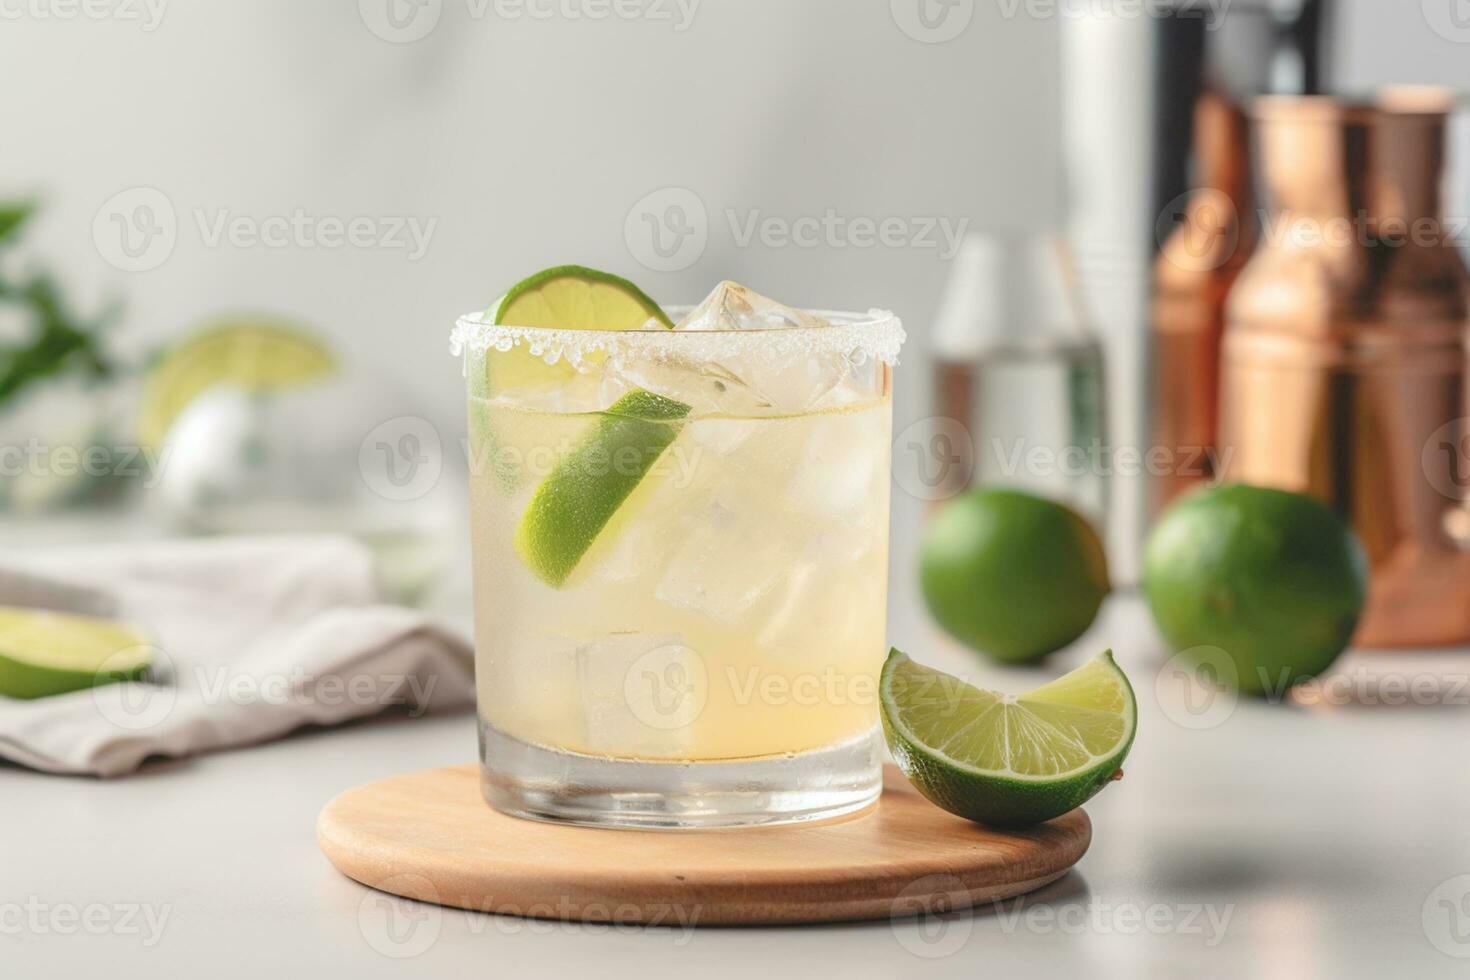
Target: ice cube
641, 693
841, 474
793, 381
728, 561
731, 306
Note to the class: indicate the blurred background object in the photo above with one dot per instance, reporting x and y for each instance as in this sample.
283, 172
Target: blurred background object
1019, 367
1345, 352
1209, 73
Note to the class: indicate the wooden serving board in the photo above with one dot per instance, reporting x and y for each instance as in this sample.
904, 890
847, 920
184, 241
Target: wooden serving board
431, 836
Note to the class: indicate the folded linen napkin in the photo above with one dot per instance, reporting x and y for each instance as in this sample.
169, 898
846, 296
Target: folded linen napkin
253, 638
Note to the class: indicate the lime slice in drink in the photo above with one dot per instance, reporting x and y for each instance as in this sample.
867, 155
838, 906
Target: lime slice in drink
579, 497
252, 352
566, 297
44, 653
1008, 760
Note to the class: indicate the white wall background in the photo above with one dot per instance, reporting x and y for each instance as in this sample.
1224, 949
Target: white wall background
528, 141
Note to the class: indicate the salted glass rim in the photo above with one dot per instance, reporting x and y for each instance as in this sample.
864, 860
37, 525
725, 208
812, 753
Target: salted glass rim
877, 334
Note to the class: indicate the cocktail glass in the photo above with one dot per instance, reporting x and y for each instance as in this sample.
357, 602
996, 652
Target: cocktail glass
680, 546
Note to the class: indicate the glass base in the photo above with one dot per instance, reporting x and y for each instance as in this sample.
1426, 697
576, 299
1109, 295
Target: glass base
532, 781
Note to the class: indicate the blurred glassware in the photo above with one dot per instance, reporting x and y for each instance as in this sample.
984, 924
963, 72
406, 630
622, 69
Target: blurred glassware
1019, 368
350, 455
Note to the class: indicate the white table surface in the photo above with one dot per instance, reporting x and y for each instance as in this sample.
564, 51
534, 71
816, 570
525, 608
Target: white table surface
1284, 841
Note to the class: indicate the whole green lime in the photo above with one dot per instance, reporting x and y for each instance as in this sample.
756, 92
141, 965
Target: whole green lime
1012, 575
1274, 579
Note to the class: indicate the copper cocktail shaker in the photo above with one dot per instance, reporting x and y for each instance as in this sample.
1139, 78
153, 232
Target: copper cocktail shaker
1196, 266
1345, 353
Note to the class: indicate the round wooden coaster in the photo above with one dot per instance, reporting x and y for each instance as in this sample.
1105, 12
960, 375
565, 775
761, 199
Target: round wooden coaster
431, 836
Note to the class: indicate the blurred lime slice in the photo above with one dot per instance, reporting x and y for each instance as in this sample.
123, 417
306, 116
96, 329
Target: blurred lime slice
252, 352
1008, 760
566, 297
576, 501
44, 653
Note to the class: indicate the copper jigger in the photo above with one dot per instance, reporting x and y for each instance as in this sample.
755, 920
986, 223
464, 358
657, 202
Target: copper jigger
1345, 354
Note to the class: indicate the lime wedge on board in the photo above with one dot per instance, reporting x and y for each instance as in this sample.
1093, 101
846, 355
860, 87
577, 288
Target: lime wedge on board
1008, 760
